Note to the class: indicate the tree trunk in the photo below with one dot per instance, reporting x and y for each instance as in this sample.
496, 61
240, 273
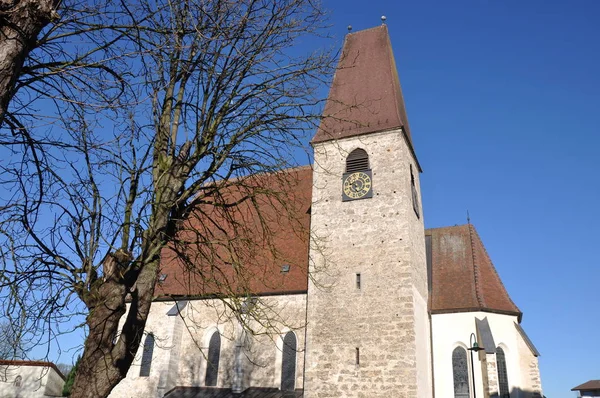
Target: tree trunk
20, 23
105, 362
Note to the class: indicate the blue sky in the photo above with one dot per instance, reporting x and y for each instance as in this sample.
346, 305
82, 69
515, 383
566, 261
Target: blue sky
503, 99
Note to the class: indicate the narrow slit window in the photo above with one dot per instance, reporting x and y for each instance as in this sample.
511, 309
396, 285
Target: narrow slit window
358, 286
357, 353
288, 362
460, 370
212, 365
147, 356
502, 373
415, 195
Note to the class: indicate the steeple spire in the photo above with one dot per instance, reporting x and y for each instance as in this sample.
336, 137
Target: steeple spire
365, 96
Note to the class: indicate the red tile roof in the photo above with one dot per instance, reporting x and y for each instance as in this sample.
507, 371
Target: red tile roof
463, 276
242, 249
365, 96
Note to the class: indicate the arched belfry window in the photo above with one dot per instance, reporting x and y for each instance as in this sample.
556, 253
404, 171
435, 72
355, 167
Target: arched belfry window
357, 160
502, 373
288, 363
212, 365
357, 181
460, 370
147, 356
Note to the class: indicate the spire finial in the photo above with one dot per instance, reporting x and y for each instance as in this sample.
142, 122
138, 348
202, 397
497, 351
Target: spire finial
468, 218
349, 28
383, 18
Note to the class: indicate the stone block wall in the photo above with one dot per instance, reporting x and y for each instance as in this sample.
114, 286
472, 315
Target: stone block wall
261, 348
161, 326
361, 342
530, 371
179, 357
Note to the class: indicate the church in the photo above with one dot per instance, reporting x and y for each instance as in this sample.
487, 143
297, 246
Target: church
341, 292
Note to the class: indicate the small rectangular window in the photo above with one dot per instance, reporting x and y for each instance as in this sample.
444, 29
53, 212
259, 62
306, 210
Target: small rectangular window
357, 356
358, 281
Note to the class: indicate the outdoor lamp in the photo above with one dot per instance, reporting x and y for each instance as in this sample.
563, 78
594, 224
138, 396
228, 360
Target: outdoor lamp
474, 346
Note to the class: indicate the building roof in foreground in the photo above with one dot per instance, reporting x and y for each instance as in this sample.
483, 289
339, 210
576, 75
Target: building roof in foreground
262, 248
591, 385
365, 95
17, 363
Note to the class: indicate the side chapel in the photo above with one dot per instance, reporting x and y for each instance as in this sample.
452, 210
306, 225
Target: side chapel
358, 298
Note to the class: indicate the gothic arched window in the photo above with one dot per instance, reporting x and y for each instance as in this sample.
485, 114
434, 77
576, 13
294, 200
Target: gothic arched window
212, 363
358, 160
288, 363
460, 370
502, 374
147, 356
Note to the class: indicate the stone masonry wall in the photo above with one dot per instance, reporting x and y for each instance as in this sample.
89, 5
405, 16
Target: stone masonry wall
530, 372
382, 239
161, 326
261, 356
491, 375
179, 357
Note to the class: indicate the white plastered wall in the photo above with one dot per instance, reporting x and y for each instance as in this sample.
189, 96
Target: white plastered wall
199, 319
36, 381
452, 330
262, 350
161, 326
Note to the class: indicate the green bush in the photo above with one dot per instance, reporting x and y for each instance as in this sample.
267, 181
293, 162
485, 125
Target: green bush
70, 379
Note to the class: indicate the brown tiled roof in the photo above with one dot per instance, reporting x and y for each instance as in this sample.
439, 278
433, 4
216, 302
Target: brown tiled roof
4, 362
242, 249
463, 276
588, 386
365, 96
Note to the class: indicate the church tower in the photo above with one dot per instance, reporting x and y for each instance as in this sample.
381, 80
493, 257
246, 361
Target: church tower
367, 329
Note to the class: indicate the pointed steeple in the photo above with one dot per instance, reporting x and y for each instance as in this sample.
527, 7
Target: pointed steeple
365, 96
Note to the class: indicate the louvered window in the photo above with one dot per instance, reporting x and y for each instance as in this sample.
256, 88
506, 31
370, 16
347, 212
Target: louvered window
415, 195
147, 356
288, 363
502, 374
460, 370
358, 160
212, 365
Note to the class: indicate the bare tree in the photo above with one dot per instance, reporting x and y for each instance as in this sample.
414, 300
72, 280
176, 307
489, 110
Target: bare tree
171, 112
21, 21
10, 344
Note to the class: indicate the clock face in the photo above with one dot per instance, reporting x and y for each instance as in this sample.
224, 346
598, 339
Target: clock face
357, 185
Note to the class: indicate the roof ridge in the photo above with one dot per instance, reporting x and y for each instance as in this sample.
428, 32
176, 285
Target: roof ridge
384, 26
496, 273
478, 294
24, 362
